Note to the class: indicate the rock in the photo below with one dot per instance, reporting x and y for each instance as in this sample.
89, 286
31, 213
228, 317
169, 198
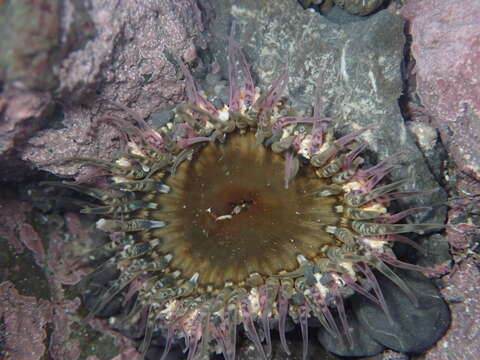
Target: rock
156, 352
36, 36
22, 113
461, 291
425, 135
360, 7
432, 148
436, 251
414, 329
25, 320
363, 344
128, 61
30, 40
446, 46
246, 350
323, 6
392, 355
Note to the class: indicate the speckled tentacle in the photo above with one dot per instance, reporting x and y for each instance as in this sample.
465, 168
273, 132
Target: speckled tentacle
250, 329
110, 197
118, 285
357, 199
149, 328
370, 228
284, 294
338, 300
389, 273
352, 284
125, 208
193, 95
365, 269
270, 293
303, 319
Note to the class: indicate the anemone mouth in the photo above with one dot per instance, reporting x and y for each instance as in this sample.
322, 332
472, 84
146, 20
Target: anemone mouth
229, 214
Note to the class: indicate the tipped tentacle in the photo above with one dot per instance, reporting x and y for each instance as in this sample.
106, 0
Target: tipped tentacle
365, 269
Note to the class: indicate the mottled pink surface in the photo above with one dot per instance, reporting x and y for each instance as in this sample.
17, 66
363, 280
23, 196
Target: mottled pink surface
462, 340
125, 62
21, 114
25, 318
62, 345
30, 238
13, 214
446, 47
460, 226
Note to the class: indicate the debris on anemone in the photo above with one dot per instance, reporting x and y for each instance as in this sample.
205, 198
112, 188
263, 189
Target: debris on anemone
237, 215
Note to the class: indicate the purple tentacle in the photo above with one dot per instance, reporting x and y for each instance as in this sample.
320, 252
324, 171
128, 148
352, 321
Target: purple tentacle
341, 312
304, 310
365, 269
282, 317
344, 140
250, 329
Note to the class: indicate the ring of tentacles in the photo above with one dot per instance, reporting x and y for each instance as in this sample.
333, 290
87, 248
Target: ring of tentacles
237, 214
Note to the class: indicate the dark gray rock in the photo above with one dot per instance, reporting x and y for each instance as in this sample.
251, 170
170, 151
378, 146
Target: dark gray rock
360, 7
246, 351
155, 353
432, 148
414, 329
436, 251
363, 344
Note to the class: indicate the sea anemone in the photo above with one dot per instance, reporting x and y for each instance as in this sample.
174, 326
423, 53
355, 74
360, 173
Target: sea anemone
241, 213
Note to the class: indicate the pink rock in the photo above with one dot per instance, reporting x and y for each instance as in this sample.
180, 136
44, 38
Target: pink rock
446, 48
29, 237
460, 229
126, 62
62, 345
25, 320
60, 260
461, 341
75, 227
13, 214
21, 114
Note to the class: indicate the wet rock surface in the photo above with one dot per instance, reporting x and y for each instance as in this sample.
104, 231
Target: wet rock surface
38, 247
360, 7
27, 315
36, 37
363, 343
246, 351
128, 61
22, 113
414, 328
461, 291
156, 352
30, 42
445, 46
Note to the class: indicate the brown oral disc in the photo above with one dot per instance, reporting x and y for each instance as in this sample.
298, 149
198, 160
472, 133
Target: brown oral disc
229, 214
